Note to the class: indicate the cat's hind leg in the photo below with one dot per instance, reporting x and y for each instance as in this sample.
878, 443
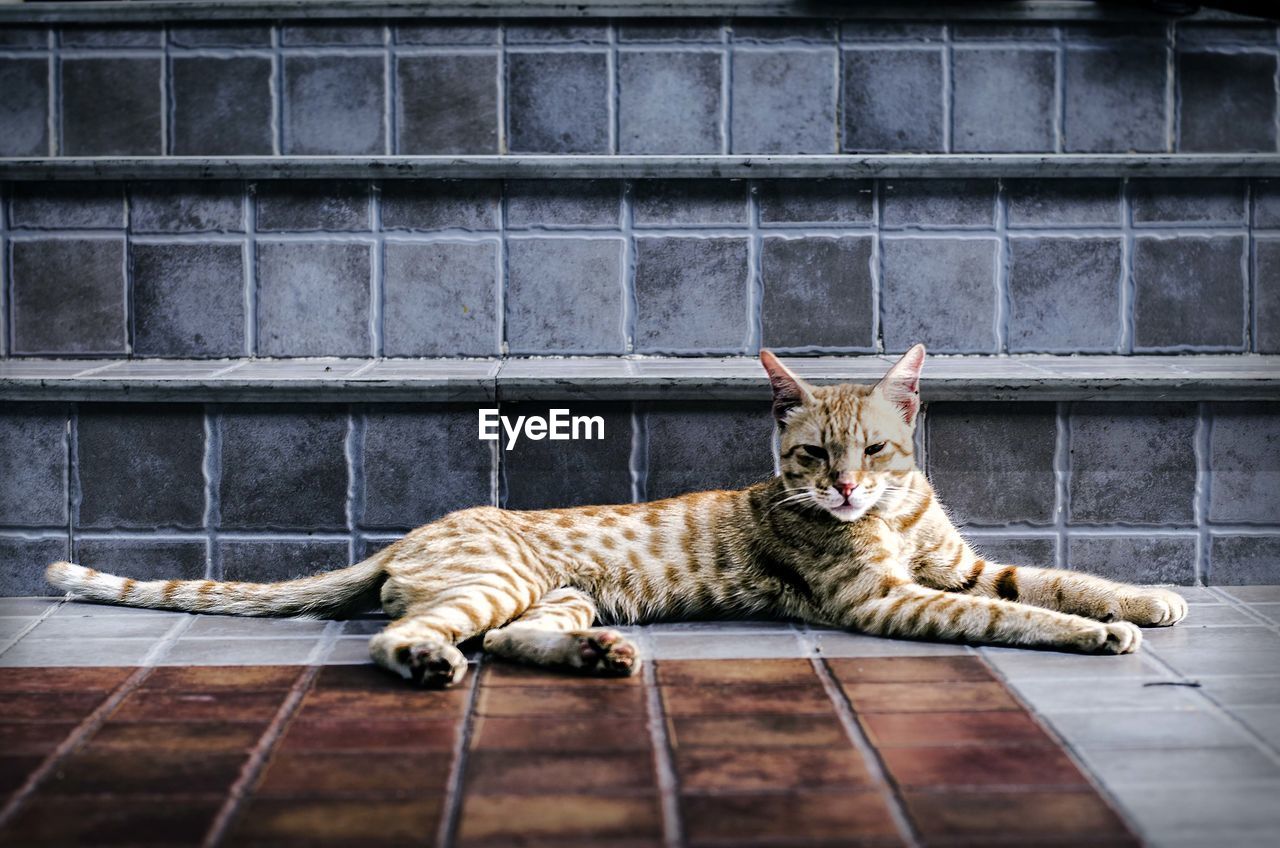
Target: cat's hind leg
556, 631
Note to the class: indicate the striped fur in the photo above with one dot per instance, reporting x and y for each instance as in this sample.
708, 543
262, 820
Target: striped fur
850, 534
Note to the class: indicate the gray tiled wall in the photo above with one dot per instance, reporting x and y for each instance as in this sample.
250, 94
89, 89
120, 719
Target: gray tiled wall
693, 267
637, 87
1157, 493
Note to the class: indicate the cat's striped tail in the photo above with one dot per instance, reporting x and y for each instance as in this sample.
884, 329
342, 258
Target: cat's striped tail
331, 594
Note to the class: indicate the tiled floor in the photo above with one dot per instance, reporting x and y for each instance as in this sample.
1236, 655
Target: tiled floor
180, 729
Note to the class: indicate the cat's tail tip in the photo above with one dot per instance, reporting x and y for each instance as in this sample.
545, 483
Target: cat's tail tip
65, 575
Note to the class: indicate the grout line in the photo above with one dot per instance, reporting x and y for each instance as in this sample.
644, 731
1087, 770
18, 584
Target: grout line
728, 46
390, 70
277, 91
613, 83
1201, 502
639, 462
354, 455
1172, 122
377, 274
250, 212
1128, 280
1003, 294
948, 89
325, 644
73, 476
870, 756
755, 273
166, 642
258, 756
1061, 482
83, 731
450, 812
663, 763
630, 299
1059, 91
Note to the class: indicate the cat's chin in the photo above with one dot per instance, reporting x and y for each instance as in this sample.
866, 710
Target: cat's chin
848, 512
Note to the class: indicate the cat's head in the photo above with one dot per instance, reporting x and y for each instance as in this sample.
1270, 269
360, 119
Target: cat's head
846, 448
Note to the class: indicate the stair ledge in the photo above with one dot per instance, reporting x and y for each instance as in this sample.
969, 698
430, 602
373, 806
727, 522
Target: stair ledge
1044, 378
890, 166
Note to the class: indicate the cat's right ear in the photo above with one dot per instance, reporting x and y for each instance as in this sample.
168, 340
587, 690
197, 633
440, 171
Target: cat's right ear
789, 391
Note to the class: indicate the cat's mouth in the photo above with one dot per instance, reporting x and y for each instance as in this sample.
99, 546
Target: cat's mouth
852, 507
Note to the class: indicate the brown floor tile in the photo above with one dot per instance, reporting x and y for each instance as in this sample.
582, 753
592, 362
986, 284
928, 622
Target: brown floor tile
937, 697
33, 737
753, 819
151, 772
367, 678
337, 822
14, 769
111, 821
766, 770
50, 706
516, 701
1021, 815
766, 731
560, 842
528, 817
152, 705
191, 737
62, 679
689, 672
360, 735
378, 706
746, 700
325, 774
995, 727
908, 669
981, 765
498, 673
525, 772
566, 735
241, 678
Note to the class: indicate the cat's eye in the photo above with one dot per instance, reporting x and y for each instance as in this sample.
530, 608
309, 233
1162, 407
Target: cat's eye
872, 450
815, 451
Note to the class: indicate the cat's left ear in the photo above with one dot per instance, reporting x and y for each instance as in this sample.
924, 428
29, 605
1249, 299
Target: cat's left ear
789, 391
901, 386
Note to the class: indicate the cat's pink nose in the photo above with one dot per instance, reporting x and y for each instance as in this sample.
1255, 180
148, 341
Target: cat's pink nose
846, 489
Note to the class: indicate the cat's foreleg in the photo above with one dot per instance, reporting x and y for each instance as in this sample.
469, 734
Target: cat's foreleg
917, 611
556, 631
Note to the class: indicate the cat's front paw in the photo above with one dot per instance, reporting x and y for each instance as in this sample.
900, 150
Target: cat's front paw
1116, 637
433, 665
607, 652
1152, 607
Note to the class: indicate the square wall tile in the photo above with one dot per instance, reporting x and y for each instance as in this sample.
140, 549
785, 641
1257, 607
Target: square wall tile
332, 35
145, 559
557, 32
1064, 294
303, 206
1004, 100
334, 105
421, 462
1019, 550
1266, 295
447, 104
816, 201
1115, 99
33, 465
68, 296
676, 30
1188, 201
1069, 203
188, 299
1228, 102
25, 37
563, 203
222, 106
440, 299
22, 564
941, 292
263, 561
444, 33
694, 448
674, 274
111, 107
110, 36
440, 204
893, 101
664, 203
783, 101
1189, 292
564, 295
284, 467
781, 29
1266, 204
1135, 559
313, 299
549, 474
24, 111
188, 207
233, 35
1244, 560
140, 466
1132, 463
669, 102
558, 102
1244, 463
938, 203
1013, 481
67, 206
817, 293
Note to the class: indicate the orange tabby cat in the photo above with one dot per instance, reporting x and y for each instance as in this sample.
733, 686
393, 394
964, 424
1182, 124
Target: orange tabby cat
850, 535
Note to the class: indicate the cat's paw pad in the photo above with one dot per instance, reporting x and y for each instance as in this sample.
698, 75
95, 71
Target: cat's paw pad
607, 652
433, 666
1154, 607
1121, 638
